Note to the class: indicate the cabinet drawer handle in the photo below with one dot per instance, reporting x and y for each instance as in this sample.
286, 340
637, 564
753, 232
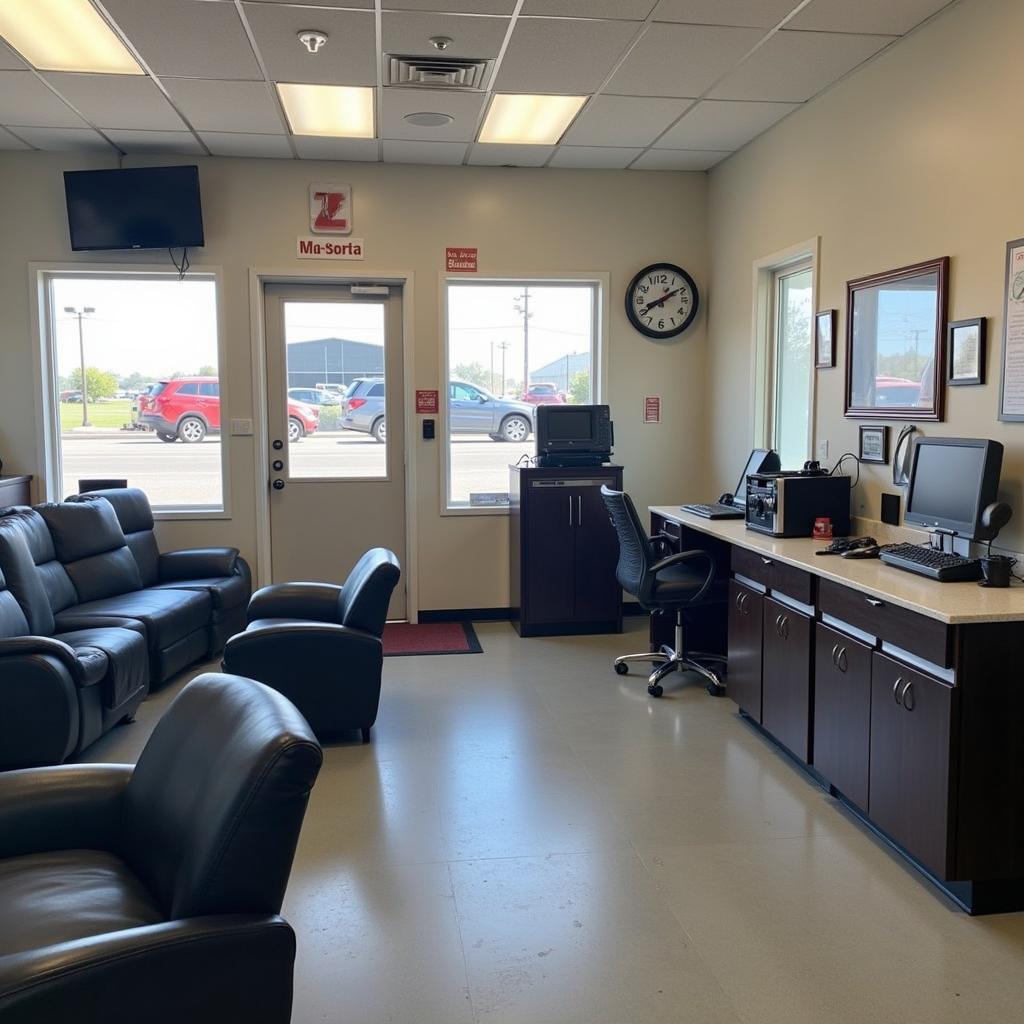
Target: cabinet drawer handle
739, 602
835, 652
874, 602
907, 692
579, 509
570, 509
842, 662
778, 626
782, 627
766, 561
895, 687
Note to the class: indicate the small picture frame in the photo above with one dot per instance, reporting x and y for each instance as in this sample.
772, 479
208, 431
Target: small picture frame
965, 352
825, 339
874, 444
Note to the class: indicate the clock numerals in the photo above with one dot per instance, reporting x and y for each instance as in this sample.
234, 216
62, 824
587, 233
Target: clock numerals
662, 301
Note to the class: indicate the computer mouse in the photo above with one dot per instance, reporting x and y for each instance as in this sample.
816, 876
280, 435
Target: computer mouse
870, 551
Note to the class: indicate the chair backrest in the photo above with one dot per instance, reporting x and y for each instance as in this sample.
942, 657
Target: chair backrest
363, 602
635, 559
131, 505
34, 575
216, 801
12, 616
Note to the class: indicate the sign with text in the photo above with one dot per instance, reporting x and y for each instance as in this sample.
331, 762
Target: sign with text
652, 409
330, 209
426, 401
309, 247
460, 261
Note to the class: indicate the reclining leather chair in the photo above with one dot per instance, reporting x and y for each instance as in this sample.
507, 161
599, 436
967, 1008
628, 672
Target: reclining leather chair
152, 894
320, 644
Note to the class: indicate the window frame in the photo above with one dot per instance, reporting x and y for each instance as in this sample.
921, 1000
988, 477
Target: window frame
48, 433
779, 275
598, 281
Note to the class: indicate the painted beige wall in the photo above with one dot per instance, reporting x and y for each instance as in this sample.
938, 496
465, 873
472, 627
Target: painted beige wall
916, 156
523, 221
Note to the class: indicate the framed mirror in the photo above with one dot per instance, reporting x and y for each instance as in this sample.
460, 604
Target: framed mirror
895, 343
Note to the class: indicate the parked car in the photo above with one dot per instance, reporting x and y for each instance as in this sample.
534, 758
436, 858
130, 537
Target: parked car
544, 394
472, 410
71, 396
897, 391
314, 396
188, 408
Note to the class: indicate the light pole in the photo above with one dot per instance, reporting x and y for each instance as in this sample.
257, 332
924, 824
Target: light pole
522, 307
502, 348
79, 314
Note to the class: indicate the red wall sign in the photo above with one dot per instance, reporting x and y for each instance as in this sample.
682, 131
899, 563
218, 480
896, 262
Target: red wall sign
426, 401
652, 409
460, 261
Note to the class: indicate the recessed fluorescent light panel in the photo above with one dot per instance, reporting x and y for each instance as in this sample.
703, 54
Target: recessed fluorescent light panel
338, 111
529, 120
64, 35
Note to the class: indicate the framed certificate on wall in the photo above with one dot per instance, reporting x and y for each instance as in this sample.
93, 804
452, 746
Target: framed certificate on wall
1011, 385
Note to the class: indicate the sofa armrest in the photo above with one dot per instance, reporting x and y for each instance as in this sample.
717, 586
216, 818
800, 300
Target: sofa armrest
19, 646
315, 602
67, 807
40, 720
197, 563
224, 967
280, 649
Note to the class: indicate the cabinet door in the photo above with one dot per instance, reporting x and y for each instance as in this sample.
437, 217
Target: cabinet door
786, 677
842, 712
550, 517
745, 632
910, 760
598, 594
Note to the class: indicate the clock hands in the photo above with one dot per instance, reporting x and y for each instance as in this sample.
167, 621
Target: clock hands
661, 301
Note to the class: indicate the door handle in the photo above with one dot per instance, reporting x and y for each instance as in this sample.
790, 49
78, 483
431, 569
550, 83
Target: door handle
739, 602
785, 627
570, 508
278, 485
778, 626
579, 509
895, 687
906, 692
841, 661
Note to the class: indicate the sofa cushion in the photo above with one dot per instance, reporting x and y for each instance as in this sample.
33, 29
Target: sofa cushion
70, 894
224, 591
125, 661
12, 618
168, 615
136, 518
24, 543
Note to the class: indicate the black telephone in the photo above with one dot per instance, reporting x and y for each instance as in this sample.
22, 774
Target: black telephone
841, 545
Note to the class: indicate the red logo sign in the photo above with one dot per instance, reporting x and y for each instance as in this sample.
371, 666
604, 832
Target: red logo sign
652, 409
330, 209
426, 401
460, 261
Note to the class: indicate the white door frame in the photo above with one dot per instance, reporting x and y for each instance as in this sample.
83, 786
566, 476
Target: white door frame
260, 276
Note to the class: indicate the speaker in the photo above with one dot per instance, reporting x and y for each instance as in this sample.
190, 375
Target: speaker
891, 509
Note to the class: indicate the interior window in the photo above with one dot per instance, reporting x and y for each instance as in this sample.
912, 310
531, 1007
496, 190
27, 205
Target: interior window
793, 365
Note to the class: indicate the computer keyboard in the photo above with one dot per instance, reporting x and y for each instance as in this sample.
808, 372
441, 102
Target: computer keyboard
715, 510
927, 561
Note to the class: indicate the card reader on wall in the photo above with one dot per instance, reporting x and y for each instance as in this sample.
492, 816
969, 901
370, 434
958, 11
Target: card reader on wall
786, 504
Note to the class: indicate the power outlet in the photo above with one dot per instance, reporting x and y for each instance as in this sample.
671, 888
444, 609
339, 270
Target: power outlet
823, 452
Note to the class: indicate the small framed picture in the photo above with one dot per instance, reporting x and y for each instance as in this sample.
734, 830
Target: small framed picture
965, 351
874, 445
825, 338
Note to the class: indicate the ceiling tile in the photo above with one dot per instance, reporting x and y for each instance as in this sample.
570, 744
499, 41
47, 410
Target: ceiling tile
8, 141
246, 144
463, 106
349, 58
628, 10
723, 124
571, 57
61, 139
311, 147
678, 160
751, 13
409, 32
607, 157
187, 38
227, 106
9, 60
892, 17
623, 121
454, 6
364, 4
26, 100
402, 152
491, 154
794, 66
117, 101
156, 142
681, 60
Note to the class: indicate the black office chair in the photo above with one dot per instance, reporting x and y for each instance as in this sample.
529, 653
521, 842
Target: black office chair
677, 582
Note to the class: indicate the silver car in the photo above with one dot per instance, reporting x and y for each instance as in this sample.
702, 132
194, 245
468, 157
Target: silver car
472, 410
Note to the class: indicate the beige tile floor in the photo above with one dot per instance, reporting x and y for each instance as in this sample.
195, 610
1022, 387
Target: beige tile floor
530, 839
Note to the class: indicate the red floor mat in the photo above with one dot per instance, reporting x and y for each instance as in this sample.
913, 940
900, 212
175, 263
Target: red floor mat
403, 638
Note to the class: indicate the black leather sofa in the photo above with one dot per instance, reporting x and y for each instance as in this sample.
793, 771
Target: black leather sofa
153, 894
89, 621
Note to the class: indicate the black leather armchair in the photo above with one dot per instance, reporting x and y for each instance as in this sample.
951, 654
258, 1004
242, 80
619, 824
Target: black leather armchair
320, 644
152, 893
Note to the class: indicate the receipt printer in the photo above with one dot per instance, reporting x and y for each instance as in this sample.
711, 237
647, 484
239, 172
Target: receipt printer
786, 504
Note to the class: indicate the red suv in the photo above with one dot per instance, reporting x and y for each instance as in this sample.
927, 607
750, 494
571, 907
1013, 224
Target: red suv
544, 394
189, 408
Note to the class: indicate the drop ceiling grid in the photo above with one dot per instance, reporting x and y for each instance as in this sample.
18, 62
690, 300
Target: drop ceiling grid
211, 67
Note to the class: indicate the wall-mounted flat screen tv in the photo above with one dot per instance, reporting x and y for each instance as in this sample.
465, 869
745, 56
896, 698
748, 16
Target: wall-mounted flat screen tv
134, 208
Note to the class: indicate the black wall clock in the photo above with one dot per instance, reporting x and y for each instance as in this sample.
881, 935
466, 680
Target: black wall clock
662, 301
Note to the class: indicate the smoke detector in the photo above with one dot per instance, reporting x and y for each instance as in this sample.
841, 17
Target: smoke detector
313, 40
428, 119
441, 42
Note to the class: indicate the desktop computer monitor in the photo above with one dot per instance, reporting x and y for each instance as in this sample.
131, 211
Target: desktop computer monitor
952, 480
762, 460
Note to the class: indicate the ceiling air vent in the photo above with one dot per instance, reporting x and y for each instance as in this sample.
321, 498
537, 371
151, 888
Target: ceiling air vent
435, 72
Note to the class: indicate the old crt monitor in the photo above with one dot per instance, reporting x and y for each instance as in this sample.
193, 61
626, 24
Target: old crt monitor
952, 480
134, 208
574, 435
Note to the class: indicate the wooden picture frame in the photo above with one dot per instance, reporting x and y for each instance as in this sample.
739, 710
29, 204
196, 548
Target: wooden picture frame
1011, 384
905, 307
965, 352
877, 439
825, 338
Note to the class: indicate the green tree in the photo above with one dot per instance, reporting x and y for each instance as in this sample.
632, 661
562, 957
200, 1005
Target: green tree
474, 373
99, 383
579, 387
133, 381
207, 371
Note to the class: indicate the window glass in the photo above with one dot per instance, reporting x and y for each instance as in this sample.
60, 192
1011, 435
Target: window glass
210, 390
133, 336
793, 366
377, 391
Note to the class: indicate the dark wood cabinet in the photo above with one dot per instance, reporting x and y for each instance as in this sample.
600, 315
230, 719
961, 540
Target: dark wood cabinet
842, 712
911, 761
746, 608
786, 677
15, 490
563, 552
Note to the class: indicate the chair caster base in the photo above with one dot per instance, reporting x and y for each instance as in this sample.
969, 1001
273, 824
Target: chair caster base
621, 668
365, 734
655, 691
715, 689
